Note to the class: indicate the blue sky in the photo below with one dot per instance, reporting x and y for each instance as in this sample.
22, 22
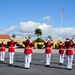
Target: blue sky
17, 13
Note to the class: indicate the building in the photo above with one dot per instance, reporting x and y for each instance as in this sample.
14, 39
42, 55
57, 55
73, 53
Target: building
41, 44
4, 37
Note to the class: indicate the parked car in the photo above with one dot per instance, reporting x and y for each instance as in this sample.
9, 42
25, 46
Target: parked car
19, 46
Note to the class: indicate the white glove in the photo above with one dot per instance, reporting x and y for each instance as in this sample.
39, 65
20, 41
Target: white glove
9, 40
74, 42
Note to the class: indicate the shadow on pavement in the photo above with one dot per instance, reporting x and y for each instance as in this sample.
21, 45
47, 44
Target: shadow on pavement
57, 67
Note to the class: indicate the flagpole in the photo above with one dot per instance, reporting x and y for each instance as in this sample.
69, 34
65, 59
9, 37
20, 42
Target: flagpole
62, 11
61, 25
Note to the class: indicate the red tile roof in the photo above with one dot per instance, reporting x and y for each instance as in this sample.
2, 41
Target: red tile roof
4, 36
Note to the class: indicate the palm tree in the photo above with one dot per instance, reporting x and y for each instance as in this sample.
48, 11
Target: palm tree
50, 37
13, 35
38, 32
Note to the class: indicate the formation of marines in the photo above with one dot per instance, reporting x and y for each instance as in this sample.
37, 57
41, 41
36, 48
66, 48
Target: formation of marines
67, 46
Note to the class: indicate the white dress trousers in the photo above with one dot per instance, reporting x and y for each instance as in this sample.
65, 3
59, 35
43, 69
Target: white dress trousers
69, 60
61, 58
27, 60
48, 59
11, 57
2, 57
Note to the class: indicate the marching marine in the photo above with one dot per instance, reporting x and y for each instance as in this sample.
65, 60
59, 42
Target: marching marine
48, 51
69, 52
11, 43
61, 46
2, 51
27, 52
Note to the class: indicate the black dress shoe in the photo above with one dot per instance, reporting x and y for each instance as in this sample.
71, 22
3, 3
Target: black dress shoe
69, 69
10, 65
27, 68
47, 65
1, 61
60, 63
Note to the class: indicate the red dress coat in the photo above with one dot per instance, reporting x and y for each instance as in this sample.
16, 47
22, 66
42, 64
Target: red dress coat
48, 47
28, 47
61, 48
11, 45
69, 47
2, 47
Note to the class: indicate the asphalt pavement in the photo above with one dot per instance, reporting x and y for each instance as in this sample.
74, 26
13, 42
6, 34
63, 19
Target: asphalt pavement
37, 65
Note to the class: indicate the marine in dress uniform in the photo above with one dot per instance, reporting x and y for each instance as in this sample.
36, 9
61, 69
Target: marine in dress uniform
28, 52
2, 51
48, 51
61, 46
69, 52
11, 43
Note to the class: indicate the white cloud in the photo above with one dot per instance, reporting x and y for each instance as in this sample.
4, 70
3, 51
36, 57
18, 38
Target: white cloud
27, 28
8, 30
46, 18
